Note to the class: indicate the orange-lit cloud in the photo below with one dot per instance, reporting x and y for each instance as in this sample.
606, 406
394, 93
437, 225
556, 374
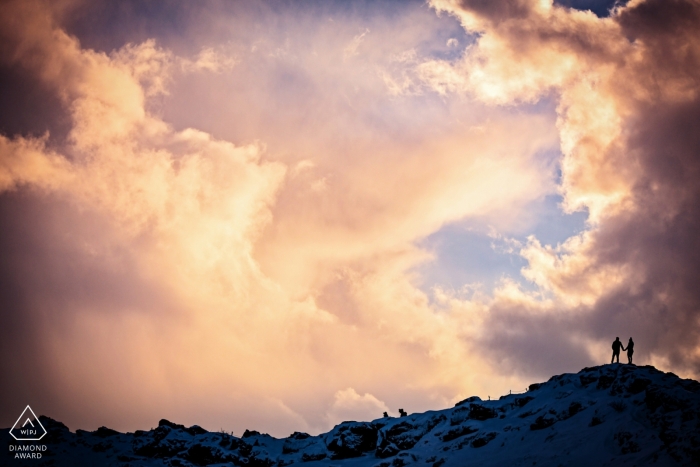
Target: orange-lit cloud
614, 77
259, 271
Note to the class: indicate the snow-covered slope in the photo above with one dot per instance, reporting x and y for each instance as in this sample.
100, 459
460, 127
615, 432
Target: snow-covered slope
607, 415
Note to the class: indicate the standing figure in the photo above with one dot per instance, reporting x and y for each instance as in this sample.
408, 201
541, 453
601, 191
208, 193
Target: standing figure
616, 345
630, 350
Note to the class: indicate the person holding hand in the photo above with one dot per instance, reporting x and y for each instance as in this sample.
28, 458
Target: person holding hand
630, 350
616, 345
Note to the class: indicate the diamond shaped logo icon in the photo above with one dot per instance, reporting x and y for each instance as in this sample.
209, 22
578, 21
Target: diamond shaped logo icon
28, 427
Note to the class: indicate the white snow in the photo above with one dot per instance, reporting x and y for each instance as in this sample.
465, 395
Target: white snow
608, 415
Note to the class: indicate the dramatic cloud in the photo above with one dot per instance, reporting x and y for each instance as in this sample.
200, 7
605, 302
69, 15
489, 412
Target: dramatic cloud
627, 87
229, 231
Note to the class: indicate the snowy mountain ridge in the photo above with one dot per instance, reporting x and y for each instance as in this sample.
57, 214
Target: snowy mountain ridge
607, 415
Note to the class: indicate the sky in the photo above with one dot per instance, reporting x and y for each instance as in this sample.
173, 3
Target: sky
281, 215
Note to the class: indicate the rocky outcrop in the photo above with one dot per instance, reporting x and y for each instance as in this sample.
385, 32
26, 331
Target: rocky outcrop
637, 414
352, 439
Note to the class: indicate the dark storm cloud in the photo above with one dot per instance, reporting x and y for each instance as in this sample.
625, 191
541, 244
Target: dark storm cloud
35, 110
661, 238
533, 346
637, 270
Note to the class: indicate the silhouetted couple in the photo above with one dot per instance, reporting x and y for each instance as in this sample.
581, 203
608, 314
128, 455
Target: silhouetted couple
617, 345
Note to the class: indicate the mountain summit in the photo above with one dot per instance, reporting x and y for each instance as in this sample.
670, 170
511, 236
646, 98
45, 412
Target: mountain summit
607, 415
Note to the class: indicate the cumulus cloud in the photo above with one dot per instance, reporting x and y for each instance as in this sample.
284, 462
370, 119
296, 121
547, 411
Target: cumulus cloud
254, 271
192, 202
627, 95
237, 247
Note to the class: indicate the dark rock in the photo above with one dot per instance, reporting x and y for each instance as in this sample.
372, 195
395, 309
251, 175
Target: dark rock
529, 413
588, 379
521, 401
458, 432
101, 447
574, 408
468, 400
177, 462
296, 442
200, 454
386, 450
168, 423
161, 432
556, 378
459, 415
353, 440
249, 433
605, 381
534, 386
479, 412
542, 422
196, 430
289, 449
244, 449
595, 421
656, 397
104, 432
225, 439
236, 443
161, 449
638, 385
51, 424
690, 385
258, 461
55, 431
483, 440
156, 445
406, 434
309, 457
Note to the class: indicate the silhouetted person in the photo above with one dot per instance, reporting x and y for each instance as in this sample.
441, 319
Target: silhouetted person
616, 345
386, 415
630, 350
